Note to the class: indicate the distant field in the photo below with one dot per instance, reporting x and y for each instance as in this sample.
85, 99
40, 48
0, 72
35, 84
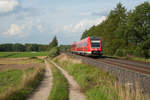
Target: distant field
21, 54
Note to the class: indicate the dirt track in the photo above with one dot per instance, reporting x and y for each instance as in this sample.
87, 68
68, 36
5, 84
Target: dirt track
43, 91
75, 93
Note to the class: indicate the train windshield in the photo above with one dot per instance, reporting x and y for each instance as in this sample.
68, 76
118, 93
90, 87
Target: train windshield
95, 43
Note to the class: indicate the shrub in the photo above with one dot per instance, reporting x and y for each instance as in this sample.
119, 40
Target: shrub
139, 52
33, 58
149, 53
53, 52
121, 52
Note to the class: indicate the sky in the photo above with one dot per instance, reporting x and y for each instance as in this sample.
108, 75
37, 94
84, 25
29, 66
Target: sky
38, 21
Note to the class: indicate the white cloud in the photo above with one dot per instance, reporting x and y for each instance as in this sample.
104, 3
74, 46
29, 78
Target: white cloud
18, 30
82, 25
24, 28
8, 5
14, 30
40, 27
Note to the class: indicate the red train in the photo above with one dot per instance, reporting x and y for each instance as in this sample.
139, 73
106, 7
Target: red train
88, 46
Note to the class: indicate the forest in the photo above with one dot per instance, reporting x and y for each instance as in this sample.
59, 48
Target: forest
17, 47
125, 33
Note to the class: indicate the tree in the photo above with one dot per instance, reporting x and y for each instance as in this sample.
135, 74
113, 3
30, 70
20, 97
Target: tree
18, 47
6, 47
53, 48
112, 29
139, 22
54, 43
138, 25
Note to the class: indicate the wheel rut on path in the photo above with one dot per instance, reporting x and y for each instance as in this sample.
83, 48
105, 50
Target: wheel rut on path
75, 93
43, 91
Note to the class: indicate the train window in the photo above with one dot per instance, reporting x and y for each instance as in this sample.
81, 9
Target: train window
95, 43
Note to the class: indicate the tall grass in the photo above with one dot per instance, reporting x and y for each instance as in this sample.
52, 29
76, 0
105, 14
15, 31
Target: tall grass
60, 86
30, 79
97, 84
126, 92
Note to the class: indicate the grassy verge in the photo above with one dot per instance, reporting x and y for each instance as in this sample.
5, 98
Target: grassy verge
18, 84
139, 59
21, 54
60, 86
97, 84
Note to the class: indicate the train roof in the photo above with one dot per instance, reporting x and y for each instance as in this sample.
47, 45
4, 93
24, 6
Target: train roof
91, 37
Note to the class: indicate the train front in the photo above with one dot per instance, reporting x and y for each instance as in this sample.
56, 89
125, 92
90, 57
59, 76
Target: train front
96, 46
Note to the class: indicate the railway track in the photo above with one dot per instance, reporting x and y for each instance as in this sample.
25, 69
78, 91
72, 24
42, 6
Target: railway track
127, 64
135, 66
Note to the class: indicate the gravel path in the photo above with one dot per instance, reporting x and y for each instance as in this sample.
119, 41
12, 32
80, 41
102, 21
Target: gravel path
42, 92
75, 93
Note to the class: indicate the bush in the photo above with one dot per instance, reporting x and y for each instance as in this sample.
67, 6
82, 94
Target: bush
138, 52
141, 52
33, 58
53, 52
120, 52
149, 53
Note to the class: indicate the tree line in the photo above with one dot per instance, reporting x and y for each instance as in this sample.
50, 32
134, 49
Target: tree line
125, 32
17, 47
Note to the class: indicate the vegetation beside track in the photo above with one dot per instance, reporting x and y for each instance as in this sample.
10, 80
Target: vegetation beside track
97, 84
18, 84
60, 89
138, 59
132, 58
21, 54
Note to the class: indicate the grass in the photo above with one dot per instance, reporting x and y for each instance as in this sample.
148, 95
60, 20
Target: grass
133, 58
97, 84
138, 59
21, 54
18, 84
60, 86
10, 78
